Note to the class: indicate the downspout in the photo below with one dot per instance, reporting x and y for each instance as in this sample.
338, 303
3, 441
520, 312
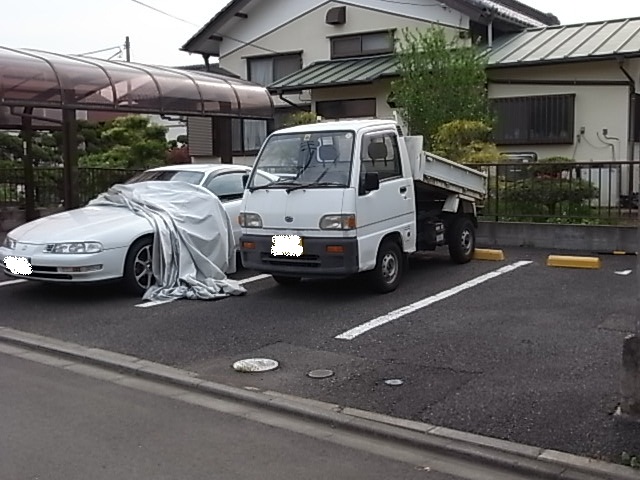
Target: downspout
632, 123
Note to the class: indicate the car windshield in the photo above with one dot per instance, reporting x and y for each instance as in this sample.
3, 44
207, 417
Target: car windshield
172, 175
308, 159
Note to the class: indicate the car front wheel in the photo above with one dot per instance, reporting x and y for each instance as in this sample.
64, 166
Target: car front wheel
138, 272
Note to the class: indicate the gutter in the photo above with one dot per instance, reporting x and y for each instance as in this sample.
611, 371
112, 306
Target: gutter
289, 102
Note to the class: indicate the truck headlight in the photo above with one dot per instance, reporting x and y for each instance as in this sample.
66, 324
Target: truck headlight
250, 220
74, 247
9, 243
338, 222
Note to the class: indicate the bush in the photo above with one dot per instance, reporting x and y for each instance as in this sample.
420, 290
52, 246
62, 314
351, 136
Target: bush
465, 141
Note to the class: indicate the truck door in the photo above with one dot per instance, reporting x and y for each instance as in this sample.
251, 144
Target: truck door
389, 209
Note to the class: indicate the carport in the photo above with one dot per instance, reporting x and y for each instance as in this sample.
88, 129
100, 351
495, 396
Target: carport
33, 83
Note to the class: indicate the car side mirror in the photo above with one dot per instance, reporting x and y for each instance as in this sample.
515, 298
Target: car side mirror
371, 181
245, 180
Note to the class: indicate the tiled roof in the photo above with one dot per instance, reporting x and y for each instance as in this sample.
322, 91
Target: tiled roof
564, 43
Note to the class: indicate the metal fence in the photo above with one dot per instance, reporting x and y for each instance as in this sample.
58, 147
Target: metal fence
574, 193
49, 184
571, 193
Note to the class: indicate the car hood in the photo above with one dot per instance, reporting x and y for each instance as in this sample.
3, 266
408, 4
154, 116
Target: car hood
113, 226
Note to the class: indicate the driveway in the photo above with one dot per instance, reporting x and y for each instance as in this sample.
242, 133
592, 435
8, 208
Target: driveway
518, 351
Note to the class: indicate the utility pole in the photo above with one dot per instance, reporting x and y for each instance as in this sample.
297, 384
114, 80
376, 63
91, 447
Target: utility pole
127, 48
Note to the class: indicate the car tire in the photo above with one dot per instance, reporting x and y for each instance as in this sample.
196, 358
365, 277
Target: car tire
390, 263
461, 240
138, 276
286, 281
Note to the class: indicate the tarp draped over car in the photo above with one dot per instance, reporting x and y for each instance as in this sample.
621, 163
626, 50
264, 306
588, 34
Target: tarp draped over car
193, 244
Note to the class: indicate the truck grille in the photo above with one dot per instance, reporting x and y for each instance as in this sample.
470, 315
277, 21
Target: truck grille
301, 261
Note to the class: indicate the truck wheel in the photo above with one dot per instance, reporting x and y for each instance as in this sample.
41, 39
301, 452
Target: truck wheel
286, 281
461, 240
138, 276
387, 273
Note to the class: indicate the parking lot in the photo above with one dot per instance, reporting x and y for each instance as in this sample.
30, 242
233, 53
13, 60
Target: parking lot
511, 349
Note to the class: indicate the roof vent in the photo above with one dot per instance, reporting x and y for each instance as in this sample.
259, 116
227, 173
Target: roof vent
336, 16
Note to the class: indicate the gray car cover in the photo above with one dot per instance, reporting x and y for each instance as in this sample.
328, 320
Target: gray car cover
193, 246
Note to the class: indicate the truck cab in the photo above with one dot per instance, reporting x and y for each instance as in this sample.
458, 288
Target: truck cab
347, 202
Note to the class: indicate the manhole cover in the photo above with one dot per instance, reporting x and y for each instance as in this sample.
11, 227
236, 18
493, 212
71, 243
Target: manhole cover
322, 373
394, 382
255, 365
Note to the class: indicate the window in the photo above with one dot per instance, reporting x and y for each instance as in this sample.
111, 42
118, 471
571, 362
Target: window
226, 186
363, 44
167, 175
380, 153
365, 107
266, 70
247, 136
534, 120
229, 186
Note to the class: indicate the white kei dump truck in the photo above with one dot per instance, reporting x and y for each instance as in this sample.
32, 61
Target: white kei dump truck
354, 197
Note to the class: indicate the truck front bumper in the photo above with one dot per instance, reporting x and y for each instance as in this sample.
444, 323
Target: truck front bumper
321, 257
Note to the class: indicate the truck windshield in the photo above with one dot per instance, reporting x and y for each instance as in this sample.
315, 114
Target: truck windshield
307, 159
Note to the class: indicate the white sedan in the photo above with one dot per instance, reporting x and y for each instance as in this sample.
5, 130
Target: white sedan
98, 243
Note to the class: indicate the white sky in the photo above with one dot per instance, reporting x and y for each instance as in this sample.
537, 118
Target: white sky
76, 26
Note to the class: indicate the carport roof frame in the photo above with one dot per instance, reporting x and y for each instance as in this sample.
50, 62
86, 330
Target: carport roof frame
39, 79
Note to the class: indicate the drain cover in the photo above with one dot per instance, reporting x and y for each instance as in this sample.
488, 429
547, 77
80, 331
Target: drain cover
255, 365
322, 373
394, 382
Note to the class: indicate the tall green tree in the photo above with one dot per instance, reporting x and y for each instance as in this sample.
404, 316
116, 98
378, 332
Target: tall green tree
442, 79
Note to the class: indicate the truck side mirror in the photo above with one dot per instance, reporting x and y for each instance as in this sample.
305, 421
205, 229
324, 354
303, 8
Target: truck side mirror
371, 181
245, 179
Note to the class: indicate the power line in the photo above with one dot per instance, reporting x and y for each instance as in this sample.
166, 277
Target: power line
99, 51
165, 13
191, 23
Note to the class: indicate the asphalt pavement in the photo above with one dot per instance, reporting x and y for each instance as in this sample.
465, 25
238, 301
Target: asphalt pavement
62, 424
531, 356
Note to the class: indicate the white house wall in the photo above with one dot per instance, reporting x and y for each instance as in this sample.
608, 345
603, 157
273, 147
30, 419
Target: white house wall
596, 107
309, 33
285, 25
378, 90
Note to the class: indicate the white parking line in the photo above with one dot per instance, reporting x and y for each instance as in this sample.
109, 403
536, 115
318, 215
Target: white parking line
155, 303
254, 279
11, 282
401, 312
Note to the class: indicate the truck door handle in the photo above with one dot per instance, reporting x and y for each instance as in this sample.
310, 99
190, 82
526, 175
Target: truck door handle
403, 189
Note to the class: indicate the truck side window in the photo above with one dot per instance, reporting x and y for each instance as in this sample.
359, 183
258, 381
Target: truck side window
380, 153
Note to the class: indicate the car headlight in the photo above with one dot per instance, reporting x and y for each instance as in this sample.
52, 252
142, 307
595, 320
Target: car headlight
338, 222
9, 243
74, 247
250, 220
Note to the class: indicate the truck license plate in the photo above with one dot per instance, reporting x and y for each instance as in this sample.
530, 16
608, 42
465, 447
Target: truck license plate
286, 245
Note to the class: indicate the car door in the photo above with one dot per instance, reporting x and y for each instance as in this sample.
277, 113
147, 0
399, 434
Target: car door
391, 207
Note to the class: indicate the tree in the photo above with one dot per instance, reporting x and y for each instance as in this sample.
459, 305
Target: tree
441, 80
127, 142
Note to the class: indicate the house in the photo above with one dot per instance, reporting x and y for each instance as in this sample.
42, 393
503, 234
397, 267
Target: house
335, 57
571, 91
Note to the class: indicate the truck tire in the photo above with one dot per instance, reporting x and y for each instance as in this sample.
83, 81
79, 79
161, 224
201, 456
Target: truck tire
138, 276
387, 274
461, 240
286, 281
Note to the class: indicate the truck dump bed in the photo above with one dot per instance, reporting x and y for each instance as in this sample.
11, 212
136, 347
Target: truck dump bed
445, 174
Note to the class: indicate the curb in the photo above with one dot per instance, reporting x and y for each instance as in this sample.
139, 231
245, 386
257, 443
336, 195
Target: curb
510, 456
488, 254
568, 261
